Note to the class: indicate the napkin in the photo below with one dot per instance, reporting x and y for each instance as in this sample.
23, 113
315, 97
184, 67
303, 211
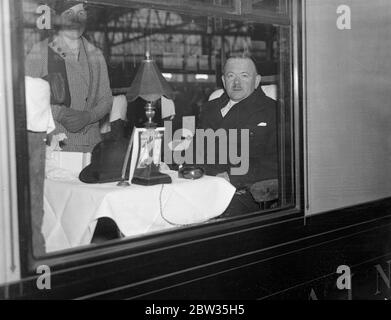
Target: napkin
38, 111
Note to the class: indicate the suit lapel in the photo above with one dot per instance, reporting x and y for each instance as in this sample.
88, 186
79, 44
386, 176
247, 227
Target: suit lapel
242, 112
215, 119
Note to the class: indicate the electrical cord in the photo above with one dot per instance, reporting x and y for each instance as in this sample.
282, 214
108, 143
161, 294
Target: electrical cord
162, 215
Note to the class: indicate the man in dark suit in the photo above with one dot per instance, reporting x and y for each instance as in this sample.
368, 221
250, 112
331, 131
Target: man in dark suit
244, 105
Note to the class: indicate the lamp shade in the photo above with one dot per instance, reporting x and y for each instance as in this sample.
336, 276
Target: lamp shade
149, 83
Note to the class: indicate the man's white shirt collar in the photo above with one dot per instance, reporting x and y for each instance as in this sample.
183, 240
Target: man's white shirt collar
228, 107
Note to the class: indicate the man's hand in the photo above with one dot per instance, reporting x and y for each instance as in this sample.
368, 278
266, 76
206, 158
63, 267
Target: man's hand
74, 120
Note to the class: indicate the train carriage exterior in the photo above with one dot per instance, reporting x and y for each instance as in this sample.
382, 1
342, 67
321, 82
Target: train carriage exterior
329, 235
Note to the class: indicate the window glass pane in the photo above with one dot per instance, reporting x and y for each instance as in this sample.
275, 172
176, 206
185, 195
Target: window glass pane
270, 5
97, 112
222, 3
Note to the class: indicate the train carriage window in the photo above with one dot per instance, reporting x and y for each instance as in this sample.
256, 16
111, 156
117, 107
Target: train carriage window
231, 81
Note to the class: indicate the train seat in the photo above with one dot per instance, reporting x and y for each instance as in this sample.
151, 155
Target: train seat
270, 90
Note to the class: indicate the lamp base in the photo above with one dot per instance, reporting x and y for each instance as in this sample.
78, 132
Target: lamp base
150, 176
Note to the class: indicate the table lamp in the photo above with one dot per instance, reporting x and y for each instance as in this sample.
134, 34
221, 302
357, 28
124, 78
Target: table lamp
150, 85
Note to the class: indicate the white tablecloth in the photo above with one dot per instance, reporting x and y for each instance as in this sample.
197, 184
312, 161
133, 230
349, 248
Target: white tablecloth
71, 208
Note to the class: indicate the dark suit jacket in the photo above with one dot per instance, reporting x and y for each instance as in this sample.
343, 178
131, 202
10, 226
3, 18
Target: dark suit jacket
256, 113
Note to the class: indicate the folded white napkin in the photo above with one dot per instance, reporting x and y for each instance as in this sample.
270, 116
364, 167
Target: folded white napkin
38, 111
168, 108
120, 105
118, 111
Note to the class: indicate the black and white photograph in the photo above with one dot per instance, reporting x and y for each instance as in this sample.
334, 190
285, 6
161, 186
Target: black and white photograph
198, 157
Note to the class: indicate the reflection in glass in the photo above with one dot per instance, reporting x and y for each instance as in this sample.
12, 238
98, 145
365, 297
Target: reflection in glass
278, 6
221, 3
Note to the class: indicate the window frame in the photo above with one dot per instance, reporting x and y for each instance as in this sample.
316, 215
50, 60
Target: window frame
241, 10
166, 238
